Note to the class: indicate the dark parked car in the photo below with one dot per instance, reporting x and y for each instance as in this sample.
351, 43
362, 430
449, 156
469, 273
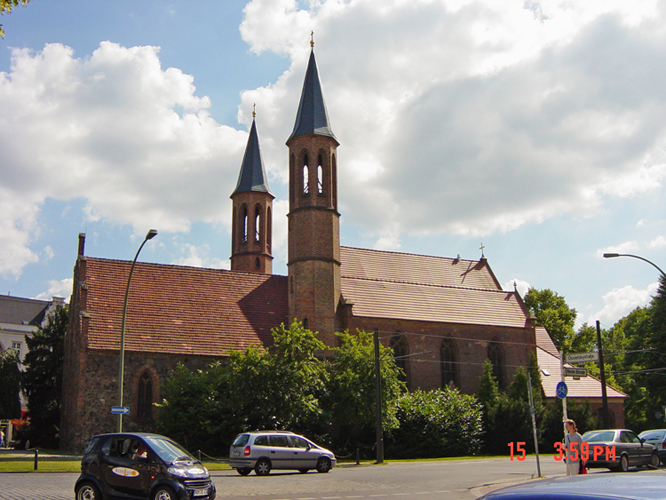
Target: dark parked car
643, 486
141, 465
656, 437
618, 449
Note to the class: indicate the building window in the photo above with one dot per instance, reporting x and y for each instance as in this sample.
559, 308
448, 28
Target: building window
496, 358
257, 264
17, 347
320, 177
449, 364
306, 323
145, 397
400, 351
244, 226
306, 175
257, 223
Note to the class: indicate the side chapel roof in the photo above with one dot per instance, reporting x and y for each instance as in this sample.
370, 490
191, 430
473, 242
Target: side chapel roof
179, 309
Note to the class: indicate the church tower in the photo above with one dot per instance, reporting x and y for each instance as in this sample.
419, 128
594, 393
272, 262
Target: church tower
252, 220
314, 221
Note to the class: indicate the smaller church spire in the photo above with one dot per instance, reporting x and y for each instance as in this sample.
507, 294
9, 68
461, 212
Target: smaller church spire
252, 175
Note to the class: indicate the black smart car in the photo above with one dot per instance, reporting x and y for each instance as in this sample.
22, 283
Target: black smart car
141, 465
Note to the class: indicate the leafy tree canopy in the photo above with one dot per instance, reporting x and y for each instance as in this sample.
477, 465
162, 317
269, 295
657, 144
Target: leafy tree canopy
553, 313
10, 376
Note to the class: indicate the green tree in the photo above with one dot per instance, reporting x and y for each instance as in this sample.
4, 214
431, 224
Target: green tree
10, 378
553, 313
350, 401
42, 379
439, 423
6, 6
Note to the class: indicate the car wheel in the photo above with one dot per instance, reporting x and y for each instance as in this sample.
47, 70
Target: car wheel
323, 465
87, 491
164, 493
244, 471
303, 471
654, 461
624, 464
263, 467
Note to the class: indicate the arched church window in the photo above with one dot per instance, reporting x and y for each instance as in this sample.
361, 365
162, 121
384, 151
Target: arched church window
244, 225
496, 358
320, 176
306, 323
269, 228
400, 351
449, 364
145, 397
257, 223
257, 264
306, 175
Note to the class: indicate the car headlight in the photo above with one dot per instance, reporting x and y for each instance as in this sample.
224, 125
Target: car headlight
177, 472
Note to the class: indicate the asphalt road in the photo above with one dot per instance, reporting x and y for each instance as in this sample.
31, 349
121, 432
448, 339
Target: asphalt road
450, 479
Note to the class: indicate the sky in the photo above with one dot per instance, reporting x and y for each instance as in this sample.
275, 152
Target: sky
532, 131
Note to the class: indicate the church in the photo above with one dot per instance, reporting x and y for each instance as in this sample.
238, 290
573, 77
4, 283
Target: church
443, 317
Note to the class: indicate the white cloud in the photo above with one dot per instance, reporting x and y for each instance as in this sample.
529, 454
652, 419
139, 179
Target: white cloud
442, 108
520, 285
198, 257
116, 129
62, 288
658, 242
621, 301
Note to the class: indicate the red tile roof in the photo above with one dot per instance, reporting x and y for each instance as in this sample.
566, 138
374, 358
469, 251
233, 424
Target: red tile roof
422, 288
182, 310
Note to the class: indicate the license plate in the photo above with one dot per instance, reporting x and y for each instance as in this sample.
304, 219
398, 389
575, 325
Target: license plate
201, 493
236, 453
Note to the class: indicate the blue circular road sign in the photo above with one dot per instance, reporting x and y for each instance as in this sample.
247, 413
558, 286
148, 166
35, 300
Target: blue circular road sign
562, 390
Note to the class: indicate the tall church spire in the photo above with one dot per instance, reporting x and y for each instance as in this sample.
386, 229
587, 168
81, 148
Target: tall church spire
312, 116
252, 218
314, 226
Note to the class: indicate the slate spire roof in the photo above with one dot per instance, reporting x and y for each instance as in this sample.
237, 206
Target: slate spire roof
312, 116
252, 175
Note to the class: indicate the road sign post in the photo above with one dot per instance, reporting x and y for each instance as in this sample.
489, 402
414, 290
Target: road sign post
575, 372
581, 357
120, 410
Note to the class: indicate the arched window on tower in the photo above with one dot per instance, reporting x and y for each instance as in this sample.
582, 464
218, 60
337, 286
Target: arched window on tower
244, 224
144, 410
269, 228
257, 223
496, 358
400, 351
306, 175
449, 364
320, 176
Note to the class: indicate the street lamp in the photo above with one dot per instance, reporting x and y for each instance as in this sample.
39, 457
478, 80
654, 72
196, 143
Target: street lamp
121, 365
613, 255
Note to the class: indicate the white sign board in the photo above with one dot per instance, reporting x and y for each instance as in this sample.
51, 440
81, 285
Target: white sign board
575, 372
581, 357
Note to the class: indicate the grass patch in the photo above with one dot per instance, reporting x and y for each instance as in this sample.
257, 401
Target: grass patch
73, 464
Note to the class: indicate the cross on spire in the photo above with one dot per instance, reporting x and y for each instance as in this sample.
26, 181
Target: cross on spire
481, 248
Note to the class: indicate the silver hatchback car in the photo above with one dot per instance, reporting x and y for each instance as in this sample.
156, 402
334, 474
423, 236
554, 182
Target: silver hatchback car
263, 451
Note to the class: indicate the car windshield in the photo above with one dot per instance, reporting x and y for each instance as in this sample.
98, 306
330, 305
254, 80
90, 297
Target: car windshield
169, 451
241, 440
598, 437
652, 435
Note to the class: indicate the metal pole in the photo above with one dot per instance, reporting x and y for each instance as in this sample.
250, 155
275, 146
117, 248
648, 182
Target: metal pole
602, 376
121, 363
612, 255
534, 427
378, 402
564, 400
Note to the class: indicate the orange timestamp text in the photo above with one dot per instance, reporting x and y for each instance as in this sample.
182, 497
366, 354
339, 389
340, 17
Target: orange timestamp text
583, 451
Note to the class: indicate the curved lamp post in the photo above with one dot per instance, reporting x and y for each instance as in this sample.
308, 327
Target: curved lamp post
612, 255
121, 369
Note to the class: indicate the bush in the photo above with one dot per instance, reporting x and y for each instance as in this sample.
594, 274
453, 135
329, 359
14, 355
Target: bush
439, 423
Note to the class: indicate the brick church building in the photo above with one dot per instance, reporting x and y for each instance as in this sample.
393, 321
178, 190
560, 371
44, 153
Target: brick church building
443, 316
